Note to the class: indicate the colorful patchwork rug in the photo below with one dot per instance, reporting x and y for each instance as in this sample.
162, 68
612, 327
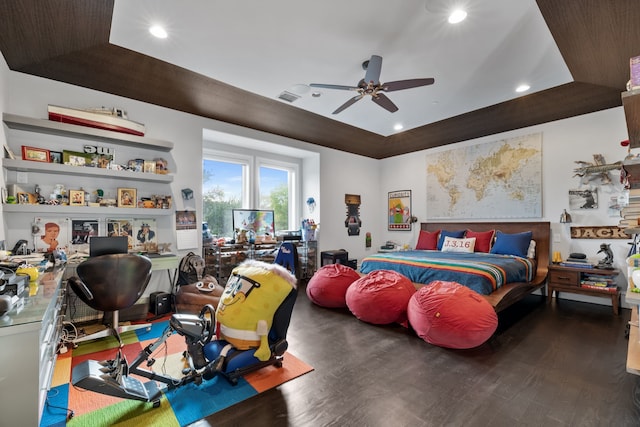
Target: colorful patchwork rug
178, 407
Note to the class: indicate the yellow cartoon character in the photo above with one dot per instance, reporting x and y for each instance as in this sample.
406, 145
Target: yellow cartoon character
252, 295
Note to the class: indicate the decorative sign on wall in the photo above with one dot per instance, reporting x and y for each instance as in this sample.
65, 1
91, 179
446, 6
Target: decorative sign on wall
599, 232
353, 222
500, 179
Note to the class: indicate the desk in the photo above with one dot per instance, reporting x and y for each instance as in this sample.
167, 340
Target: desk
169, 263
29, 336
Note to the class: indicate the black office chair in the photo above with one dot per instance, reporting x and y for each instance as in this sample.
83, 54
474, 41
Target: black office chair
110, 283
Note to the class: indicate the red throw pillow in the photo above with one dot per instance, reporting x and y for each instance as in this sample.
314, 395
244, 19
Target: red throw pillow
484, 239
428, 240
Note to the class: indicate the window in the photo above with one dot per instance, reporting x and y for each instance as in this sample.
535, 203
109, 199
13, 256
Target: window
227, 184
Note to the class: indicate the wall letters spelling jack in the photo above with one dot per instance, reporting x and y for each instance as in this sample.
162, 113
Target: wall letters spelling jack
600, 232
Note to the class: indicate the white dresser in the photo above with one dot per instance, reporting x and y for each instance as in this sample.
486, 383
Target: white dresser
29, 335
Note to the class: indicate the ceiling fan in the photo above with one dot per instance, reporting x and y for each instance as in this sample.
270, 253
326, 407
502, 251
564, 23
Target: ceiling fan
371, 85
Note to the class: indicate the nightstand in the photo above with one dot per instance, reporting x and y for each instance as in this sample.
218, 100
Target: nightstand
568, 279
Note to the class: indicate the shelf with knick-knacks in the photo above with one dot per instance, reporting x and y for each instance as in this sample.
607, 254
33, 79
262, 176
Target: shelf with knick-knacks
33, 171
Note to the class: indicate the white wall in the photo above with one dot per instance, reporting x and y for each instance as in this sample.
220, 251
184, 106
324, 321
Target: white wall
4, 73
564, 142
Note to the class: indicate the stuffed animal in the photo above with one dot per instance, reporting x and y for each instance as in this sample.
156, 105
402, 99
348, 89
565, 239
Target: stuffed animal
251, 297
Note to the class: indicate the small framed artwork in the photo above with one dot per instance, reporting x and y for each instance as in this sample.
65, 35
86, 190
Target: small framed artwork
583, 199
76, 197
35, 154
149, 166
55, 156
127, 198
76, 158
399, 208
24, 198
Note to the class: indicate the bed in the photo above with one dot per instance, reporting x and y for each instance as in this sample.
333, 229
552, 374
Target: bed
502, 280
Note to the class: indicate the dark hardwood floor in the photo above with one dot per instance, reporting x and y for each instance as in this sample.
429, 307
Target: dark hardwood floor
561, 364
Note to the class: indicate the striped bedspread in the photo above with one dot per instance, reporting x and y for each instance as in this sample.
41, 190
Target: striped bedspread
482, 272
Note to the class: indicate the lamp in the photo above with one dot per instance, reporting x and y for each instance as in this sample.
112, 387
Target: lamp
565, 217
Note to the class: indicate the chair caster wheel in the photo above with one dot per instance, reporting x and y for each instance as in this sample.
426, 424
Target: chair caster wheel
156, 403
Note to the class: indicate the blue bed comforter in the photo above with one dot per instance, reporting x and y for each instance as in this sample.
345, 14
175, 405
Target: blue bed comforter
482, 272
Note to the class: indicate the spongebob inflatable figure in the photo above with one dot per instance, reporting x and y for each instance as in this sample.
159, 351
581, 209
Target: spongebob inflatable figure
252, 295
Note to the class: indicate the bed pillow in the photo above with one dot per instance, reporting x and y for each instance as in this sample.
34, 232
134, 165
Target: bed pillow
483, 239
451, 244
512, 244
427, 240
444, 233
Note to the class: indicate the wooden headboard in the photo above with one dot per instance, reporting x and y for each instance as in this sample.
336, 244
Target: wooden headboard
541, 233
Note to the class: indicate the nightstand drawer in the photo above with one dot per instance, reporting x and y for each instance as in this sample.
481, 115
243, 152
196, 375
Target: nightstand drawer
564, 277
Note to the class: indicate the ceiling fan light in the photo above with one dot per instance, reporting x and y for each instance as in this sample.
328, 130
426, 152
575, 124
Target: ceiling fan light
457, 16
158, 31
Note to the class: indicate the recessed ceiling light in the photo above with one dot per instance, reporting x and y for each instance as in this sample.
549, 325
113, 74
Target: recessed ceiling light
158, 32
398, 126
523, 88
300, 89
316, 94
457, 16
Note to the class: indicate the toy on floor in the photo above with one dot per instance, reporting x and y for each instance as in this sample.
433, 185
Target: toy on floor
252, 316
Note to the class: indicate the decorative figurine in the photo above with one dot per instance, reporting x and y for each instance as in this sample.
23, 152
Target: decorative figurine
607, 261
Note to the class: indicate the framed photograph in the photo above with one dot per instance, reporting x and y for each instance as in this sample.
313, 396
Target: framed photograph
127, 198
149, 166
76, 158
50, 234
76, 197
9, 152
55, 156
145, 231
26, 198
82, 230
121, 227
399, 208
35, 154
583, 199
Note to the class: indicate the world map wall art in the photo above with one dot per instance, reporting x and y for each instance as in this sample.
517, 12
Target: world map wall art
500, 179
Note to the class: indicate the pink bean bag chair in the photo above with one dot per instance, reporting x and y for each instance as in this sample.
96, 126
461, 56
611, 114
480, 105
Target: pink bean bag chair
328, 286
450, 315
380, 297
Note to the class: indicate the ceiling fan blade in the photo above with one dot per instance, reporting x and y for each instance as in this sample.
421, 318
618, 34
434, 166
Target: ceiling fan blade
349, 103
340, 87
382, 100
406, 84
373, 70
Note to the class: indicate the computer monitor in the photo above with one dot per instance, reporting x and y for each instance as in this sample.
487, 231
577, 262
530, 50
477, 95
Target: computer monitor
101, 245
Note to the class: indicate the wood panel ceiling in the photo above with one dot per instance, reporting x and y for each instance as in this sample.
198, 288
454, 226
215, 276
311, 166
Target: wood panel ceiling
68, 41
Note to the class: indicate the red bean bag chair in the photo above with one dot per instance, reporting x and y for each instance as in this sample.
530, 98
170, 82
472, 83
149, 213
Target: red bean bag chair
328, 286
380, 297
450, 315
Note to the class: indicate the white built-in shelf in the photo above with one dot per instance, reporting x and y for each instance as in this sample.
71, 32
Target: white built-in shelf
75, 131
60, 169
84, 210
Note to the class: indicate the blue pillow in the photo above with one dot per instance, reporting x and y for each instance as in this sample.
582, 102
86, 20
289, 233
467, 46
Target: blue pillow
444, 233
512, 244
